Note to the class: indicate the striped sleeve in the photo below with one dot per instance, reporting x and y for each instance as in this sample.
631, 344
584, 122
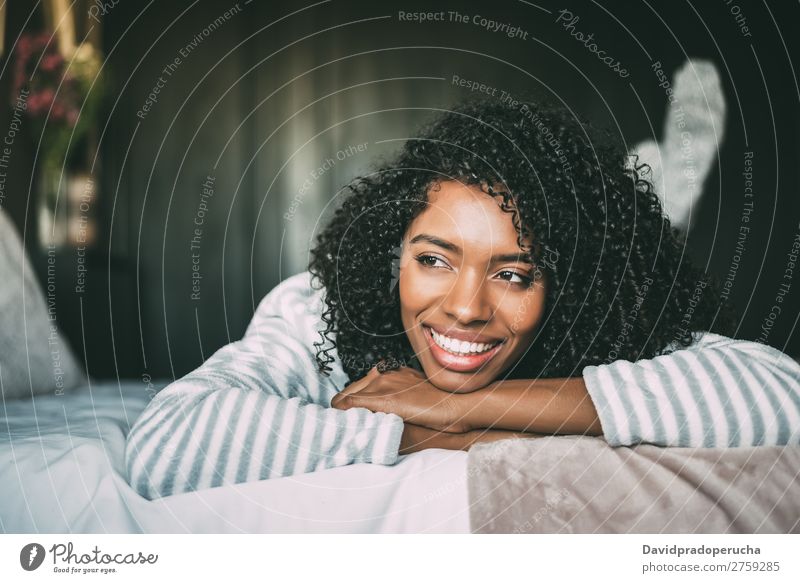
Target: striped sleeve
256, 409
718, 392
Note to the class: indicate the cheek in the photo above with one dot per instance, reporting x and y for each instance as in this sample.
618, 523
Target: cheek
523, 314
420, 294
412, 294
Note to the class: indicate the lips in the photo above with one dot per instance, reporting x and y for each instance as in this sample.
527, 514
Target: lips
463, 335
459, 346
460, 356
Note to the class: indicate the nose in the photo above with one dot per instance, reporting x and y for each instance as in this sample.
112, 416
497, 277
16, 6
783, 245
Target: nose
467, 300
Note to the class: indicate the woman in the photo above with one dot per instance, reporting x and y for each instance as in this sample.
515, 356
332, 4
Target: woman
508, 275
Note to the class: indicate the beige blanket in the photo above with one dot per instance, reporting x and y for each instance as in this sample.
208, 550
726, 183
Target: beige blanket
581, 485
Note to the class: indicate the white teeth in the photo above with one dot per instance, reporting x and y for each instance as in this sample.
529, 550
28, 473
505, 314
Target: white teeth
460, 346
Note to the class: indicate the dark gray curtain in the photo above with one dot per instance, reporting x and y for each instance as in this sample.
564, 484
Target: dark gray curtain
281, 104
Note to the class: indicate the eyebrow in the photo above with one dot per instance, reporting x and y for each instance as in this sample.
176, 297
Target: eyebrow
501, 257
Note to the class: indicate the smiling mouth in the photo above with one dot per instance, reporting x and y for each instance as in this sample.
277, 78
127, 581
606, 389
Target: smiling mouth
457, 355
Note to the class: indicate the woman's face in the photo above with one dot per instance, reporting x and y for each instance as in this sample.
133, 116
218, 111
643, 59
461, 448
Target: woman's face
466, 301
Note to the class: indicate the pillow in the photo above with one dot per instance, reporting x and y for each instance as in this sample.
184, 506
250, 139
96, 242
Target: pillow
34, 358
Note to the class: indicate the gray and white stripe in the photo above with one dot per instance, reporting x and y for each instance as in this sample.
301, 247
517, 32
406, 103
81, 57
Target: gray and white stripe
718, 392
256, 409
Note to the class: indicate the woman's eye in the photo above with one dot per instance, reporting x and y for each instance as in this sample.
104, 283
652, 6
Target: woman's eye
515, 277
431, 261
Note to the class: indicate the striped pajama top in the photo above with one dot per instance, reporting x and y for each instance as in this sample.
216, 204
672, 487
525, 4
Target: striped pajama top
258, 408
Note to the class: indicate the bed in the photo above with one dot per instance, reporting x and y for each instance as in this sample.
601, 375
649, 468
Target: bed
578, 484
61, 466
62, 438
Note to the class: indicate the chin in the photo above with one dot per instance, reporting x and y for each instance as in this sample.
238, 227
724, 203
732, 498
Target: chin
450, 382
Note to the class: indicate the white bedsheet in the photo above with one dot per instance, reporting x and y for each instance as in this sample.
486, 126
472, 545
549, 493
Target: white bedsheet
61, 470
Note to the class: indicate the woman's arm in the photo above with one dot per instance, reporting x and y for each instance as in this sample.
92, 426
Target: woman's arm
550, 406
719, 392
256, 409
544, 406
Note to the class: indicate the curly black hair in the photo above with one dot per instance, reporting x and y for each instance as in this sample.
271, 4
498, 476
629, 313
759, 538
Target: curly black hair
619, 282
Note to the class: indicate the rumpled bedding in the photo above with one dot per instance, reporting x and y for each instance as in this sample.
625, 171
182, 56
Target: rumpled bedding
62, 471
577, 484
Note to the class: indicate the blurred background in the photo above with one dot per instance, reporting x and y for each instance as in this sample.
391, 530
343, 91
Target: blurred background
170, 162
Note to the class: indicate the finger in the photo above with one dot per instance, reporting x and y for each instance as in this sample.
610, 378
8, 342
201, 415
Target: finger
363, 382
353, 387
374, 403
356, 386
341, 402
345, 402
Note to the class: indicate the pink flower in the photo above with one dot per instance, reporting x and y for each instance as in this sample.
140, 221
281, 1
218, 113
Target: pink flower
39, 102
24, 44
39, 67
47, 95
58, 112
34, 104
51, 62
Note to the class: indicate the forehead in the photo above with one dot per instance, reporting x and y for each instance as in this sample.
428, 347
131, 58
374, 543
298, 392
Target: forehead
467, 216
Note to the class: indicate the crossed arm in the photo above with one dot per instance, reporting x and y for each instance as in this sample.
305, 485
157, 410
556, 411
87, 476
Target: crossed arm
504, 409
719, 392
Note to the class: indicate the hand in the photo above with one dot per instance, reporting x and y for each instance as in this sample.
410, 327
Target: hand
416, 438
406, 392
